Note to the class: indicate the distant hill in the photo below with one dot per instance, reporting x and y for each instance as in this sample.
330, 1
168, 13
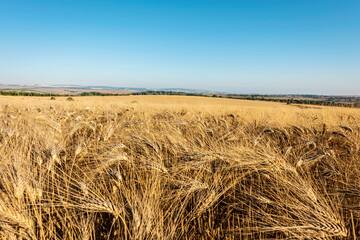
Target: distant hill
73, 89
62, 89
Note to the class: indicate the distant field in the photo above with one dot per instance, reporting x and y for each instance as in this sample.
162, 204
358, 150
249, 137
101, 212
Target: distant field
176, 167
157, 101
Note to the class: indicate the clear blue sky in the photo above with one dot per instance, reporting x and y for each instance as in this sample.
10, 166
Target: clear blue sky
269, 46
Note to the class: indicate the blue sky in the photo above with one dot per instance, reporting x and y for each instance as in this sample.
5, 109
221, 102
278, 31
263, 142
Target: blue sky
269, 46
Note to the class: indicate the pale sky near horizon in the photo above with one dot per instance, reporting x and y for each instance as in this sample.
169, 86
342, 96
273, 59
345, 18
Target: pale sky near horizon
243, 46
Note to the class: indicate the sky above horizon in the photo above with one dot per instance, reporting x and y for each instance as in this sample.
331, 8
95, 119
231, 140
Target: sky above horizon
242, 46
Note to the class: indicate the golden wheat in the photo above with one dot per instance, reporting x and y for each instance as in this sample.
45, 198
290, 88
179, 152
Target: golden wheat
146, 167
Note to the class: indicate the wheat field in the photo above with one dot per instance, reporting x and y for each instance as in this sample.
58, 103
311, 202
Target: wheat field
170, 167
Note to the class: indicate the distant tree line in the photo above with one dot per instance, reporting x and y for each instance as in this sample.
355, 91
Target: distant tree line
302, 101
96, 94
25, 93
168, 93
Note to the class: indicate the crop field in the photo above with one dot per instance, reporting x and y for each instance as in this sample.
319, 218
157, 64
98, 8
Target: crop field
170, 167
